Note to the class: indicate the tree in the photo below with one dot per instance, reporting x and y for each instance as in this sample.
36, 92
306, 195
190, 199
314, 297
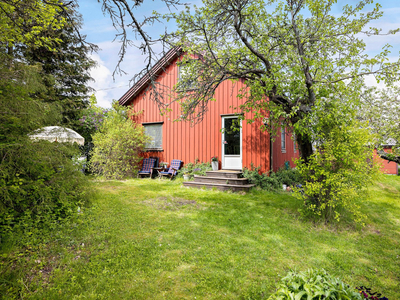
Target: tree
39, 182
340, 171
23, 22
65, 69
117, 145
90, 122
290, 54
381, 109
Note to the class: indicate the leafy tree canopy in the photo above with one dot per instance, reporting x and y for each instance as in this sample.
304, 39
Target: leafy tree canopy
25, 21
66, 69
381, 109
290, 53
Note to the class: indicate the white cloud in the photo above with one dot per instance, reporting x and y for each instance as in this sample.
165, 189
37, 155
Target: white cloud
101, 75
109, 88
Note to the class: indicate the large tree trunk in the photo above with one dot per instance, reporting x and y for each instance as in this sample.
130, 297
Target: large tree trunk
305, 147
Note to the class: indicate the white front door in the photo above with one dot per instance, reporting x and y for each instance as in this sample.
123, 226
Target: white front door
231, 143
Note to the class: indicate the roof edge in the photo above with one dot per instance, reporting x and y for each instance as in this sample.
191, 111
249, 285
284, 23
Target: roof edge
145, 79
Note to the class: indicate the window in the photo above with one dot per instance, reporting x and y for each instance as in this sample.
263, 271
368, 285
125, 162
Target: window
154, 131
283, 140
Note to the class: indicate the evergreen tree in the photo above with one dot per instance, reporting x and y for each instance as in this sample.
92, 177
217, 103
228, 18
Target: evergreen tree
65, 70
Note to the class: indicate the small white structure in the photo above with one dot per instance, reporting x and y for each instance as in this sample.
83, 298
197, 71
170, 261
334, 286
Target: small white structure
57, 134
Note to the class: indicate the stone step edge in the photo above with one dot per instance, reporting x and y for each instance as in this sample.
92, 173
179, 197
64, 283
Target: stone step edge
218, 184
219, 178
226, 171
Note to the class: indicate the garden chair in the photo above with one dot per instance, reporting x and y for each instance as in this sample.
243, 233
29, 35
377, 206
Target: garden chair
147, 168
173, 168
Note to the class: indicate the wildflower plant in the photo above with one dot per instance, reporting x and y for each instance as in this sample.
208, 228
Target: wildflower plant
366, 293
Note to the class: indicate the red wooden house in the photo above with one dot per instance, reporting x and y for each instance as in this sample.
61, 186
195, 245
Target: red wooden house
181, 140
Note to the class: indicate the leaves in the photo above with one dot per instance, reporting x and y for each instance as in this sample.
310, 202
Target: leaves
117, 145
313, 285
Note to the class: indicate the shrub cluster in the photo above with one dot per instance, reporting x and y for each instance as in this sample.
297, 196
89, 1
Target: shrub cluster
196, 168
117, 145
274, 180
39, 182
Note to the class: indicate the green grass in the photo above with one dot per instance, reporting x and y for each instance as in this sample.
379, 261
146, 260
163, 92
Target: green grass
151, 239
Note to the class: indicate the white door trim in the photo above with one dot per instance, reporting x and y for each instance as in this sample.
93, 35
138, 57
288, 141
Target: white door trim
231, 162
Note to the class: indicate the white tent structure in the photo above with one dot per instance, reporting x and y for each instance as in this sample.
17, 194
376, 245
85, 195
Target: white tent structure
57, 134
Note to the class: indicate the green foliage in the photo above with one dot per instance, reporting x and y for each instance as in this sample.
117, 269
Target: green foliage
196, 168
26, 21
117, 145
272, 181
290, 54
290, 177
375, 104
339, 172
22, 114
39, 184
38, 181
90, 121
65, 70
263, 181
313, 285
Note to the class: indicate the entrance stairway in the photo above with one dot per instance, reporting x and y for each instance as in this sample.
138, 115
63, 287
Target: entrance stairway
224, 180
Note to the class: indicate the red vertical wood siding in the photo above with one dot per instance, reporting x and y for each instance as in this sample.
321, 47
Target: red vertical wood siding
278, 157
203, 140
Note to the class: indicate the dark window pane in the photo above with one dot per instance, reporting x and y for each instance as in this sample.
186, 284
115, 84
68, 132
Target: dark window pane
232, 137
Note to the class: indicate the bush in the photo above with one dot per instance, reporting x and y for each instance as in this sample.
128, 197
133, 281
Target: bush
196, 168
339, 172
39, 183
290, 177
274, 181
313, 285
117, 145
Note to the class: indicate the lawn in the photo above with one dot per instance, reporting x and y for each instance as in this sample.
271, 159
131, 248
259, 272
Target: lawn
151, 239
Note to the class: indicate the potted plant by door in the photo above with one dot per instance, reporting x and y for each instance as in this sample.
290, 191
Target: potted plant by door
214, 163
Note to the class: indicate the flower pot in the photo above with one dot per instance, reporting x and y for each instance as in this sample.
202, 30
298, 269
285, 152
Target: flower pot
214, 165
186, 177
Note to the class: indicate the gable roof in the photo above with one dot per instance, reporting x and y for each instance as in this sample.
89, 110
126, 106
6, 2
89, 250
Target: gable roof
145, 79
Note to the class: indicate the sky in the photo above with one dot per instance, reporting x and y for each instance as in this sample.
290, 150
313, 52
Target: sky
99, 30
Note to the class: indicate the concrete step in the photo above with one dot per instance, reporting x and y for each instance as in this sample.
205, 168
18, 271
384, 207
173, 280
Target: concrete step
224, 174
220, 180
221, 187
